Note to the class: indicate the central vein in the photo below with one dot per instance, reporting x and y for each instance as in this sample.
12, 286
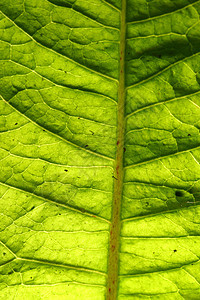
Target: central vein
112, 285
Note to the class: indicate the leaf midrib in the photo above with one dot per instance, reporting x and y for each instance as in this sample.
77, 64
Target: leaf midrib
113, 258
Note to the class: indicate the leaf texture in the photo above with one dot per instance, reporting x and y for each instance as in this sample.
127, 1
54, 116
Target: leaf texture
99, 149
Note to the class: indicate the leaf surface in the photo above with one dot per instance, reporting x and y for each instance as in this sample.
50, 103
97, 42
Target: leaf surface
99, 149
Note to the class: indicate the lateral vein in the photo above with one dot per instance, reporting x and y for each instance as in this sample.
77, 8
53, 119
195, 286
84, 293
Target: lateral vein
55, 134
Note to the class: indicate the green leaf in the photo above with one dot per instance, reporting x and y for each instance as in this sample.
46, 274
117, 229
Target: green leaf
99, 149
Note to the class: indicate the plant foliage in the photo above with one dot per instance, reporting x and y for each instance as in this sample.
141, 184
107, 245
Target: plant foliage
99, 129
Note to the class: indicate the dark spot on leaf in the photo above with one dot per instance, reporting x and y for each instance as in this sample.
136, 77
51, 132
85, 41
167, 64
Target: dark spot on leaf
117, 142
179, 193
59, 214
66, 170
32, 208
147, 203
189, 134
117, 169
10, 272
78, 117
86, 146
113, 247
16, 123
114, 177
124, 149
175, 250
92, 132
43, 130
4, 253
